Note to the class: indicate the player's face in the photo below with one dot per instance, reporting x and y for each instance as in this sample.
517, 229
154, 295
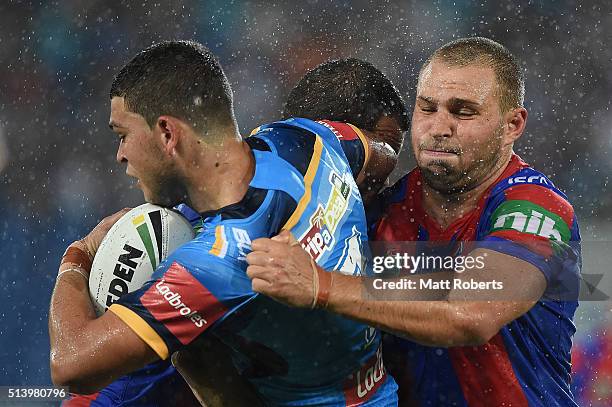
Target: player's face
391, 132
457, 127
141, 149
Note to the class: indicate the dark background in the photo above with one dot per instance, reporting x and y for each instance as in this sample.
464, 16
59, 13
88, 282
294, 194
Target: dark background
58, 175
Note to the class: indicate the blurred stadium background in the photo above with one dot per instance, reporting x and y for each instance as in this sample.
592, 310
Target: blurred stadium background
58, 175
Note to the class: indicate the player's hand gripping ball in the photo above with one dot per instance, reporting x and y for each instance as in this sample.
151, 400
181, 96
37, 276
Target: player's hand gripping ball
132, 249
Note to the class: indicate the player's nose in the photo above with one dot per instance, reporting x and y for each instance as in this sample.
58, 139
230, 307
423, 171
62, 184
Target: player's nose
121, 158
443, 126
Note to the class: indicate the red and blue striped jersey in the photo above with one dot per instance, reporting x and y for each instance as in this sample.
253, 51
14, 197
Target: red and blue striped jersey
528, 362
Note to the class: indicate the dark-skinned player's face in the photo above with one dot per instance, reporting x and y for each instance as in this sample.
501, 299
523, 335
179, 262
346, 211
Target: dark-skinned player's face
141, 149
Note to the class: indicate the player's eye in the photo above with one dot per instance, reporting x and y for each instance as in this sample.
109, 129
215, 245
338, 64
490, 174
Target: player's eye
428, 109
465, 112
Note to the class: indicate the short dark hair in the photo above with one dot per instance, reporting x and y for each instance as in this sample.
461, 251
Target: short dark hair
177, 78
484, 51
347, 90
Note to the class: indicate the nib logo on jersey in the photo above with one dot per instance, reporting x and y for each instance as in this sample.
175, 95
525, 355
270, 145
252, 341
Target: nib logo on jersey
323, 223
526, 217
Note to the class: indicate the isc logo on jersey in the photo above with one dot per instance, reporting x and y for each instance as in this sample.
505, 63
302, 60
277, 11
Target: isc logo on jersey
320, 236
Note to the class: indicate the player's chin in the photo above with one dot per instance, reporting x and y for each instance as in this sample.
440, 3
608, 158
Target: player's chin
165, 201
438, 167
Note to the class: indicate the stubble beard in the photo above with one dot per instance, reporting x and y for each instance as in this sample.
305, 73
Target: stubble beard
449, 180
169, 192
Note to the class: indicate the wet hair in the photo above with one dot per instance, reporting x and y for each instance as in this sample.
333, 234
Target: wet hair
347, 90
486, 52
177, 78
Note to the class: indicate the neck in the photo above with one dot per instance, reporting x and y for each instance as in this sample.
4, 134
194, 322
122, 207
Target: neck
446, 208
221, 175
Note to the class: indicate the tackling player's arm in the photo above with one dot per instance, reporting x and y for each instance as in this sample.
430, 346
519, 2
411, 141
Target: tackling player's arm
522, 262
283, 270
88, 353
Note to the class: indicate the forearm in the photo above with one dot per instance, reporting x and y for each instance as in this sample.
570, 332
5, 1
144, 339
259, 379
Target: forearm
69, 314
87, 353
416, 316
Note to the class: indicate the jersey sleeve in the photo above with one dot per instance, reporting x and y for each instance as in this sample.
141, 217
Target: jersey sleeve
189, 293
353, 142
535, 224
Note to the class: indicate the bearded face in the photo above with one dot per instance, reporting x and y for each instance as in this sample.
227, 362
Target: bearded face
457, 127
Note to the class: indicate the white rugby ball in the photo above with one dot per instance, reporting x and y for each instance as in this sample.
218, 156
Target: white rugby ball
132, 249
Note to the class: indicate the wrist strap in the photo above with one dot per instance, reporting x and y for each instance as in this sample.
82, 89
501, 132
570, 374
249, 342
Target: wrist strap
72, 269
77, 256
322, 283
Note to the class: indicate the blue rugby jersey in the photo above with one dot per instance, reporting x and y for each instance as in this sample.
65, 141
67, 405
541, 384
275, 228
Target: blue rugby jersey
303, 182
528, 362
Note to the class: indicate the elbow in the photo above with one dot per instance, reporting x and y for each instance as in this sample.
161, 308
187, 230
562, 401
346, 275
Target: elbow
469, 331
66, 375
60, 373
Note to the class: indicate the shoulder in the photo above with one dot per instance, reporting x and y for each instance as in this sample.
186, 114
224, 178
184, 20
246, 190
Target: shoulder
530, 193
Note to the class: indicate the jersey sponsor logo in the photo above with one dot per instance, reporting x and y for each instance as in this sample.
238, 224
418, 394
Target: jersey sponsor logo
363, 384
124, 272
351, 262
318, 238
243, 242
370, 335
342, 131
182, 304
174, 299
323, 223
532, 179
219, 248
527, 217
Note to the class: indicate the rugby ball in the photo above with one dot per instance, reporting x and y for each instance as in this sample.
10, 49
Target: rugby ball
131, 251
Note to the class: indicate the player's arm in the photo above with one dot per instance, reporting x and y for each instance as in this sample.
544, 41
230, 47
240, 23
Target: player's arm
284, 271
88, 353
521, 262
463, 318
372, 155
207, 368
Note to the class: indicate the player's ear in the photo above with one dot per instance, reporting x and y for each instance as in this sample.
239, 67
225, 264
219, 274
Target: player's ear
514, 123
170, 132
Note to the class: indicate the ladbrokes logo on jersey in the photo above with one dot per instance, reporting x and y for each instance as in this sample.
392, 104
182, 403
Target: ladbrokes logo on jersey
323, 223
180, 302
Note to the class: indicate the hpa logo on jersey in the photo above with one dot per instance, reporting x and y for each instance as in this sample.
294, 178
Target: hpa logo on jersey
323, 223
524, 216
145, 235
